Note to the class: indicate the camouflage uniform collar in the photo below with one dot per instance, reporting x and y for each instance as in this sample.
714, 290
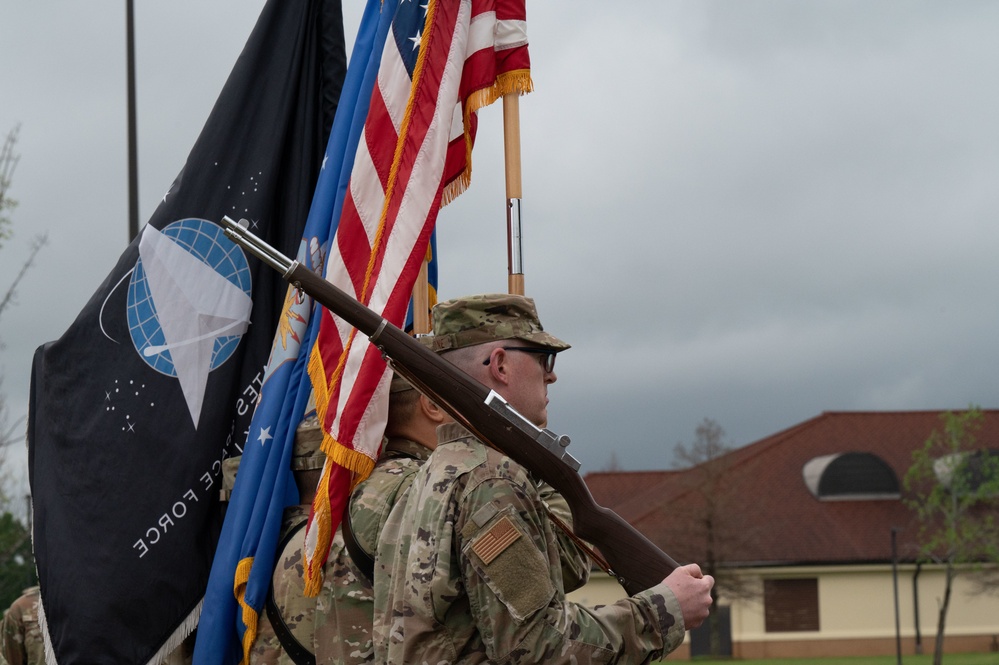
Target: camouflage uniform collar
449, 432
407, 448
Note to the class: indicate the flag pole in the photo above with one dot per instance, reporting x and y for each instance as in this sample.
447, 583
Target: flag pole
511, 151
421, 300
133, 156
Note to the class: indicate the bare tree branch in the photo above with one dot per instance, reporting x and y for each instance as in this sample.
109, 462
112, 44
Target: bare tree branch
36, 245
711, 527
8, 162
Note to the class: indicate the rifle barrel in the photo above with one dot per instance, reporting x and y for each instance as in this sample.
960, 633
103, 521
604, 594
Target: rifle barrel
635, 561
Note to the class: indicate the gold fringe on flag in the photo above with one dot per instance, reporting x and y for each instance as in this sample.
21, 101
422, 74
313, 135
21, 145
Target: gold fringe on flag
359, 464
353, 460
514, 82
249, 614
312, 575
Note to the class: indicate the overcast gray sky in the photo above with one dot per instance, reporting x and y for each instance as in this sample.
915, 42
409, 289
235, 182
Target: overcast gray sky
752, 211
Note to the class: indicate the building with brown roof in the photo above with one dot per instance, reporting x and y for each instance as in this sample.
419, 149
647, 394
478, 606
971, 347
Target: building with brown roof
802, 526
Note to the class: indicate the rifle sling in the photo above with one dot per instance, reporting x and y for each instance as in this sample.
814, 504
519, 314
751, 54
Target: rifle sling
594, 555
362, 560
298, 653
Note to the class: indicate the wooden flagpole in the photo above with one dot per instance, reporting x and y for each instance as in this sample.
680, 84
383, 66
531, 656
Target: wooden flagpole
421, 301
514, 192
511, 151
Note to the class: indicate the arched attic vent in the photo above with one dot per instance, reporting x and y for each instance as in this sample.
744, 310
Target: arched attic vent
850, 477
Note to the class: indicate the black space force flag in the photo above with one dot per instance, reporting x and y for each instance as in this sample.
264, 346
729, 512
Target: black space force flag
134, 408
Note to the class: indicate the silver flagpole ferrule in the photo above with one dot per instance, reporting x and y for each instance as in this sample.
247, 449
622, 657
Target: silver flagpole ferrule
515, 240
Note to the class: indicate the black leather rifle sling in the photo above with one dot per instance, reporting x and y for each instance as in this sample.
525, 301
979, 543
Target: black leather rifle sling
298, 653
361, 558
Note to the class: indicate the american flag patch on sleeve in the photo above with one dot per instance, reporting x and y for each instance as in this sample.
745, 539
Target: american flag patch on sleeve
492, 543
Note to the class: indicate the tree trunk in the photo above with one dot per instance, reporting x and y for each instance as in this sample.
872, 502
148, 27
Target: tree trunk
942, 617
711, 568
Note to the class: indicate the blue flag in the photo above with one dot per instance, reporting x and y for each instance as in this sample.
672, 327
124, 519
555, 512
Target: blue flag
247, 547
135, 407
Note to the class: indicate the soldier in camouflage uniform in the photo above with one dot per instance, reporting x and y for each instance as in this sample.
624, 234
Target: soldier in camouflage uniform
20, 637
468, 569
345, 603
335, 627
285, 627
310, 633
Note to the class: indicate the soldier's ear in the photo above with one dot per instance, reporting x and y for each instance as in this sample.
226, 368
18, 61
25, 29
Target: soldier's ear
431, 410
499, 366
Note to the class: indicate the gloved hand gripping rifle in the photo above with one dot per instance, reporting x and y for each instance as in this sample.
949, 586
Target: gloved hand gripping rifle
630, 557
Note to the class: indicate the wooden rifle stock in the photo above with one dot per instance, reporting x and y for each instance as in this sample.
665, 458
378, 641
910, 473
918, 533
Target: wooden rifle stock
634, 560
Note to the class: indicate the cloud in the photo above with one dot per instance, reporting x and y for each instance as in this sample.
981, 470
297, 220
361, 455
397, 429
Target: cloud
748, 211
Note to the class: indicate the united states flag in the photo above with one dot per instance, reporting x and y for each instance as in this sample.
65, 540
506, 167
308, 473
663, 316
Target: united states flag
440, 63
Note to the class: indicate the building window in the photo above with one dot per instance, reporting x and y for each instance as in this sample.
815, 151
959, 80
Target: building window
791, 605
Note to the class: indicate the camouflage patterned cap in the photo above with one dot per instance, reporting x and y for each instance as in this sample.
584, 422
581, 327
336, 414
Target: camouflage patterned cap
487, 318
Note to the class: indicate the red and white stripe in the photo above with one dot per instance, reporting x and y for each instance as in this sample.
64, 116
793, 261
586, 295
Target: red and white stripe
417, 139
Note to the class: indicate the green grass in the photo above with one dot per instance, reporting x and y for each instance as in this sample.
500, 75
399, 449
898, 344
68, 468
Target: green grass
924, 659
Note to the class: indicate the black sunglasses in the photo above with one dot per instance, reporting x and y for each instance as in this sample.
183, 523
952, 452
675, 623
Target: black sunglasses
545, 356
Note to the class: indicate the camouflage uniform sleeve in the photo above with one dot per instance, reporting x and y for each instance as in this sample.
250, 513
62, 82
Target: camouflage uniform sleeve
344, 620
510, 565
575, 562
11, 641
20, 635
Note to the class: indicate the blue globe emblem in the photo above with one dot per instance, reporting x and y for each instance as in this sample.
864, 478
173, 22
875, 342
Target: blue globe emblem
206, 241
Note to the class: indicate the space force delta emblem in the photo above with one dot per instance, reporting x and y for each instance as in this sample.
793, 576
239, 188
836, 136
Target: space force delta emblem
189, 303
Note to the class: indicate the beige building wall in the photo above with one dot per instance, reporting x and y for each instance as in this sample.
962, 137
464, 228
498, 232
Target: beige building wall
859, 602
856, 612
